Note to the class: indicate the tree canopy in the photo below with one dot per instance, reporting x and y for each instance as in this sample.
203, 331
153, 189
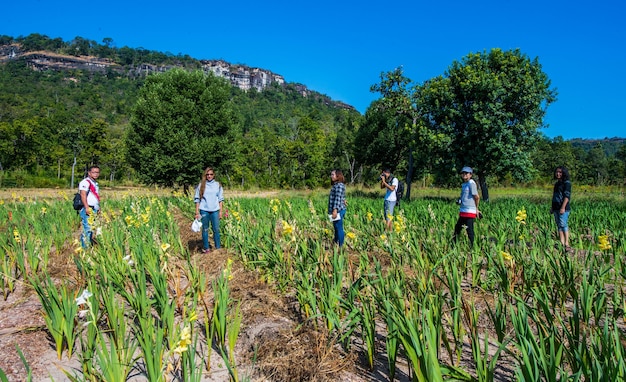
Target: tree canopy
182, 123
485, 111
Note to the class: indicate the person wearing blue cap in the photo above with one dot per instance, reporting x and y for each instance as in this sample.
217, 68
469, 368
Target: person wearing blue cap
469, 205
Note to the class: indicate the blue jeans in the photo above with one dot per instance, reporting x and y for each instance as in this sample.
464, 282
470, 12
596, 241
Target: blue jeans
86, 237
214, 218
338, 225
561, 220
389, 206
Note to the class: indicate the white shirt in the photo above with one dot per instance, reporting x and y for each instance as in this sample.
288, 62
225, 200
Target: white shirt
92, 199
391, 194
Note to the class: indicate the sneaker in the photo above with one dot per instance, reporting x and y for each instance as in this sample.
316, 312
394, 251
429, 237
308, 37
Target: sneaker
206, 250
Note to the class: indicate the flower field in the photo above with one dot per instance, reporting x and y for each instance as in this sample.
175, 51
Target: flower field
280, 302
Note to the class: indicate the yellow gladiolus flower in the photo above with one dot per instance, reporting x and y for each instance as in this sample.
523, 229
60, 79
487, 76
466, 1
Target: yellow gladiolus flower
369, 216
603, 243
185, 340
287, 229
351, 235
507, 257
16, 236
165, 247
521, 216
145, 217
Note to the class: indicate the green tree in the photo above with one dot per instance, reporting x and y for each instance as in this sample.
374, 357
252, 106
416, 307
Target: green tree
403, 102
399, 118
381, 141
491, 105
548, 153
597, 161
182, 123
620, 155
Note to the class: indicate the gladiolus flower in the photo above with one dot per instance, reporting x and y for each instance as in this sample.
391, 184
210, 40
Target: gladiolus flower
185, 340
521, 216
287, 229
603, 242
397, 227
82, 299
165, 247
507, 257
351, 235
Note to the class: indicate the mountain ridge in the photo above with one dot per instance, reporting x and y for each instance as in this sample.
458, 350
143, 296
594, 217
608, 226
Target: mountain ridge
241, 76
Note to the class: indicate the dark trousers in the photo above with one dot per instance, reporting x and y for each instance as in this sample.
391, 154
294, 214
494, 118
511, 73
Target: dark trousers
467, 222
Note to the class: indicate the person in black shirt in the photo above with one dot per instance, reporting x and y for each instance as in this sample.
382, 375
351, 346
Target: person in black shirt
561, 197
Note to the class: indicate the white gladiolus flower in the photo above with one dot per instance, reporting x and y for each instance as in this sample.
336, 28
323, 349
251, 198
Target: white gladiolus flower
82, 299
129, 260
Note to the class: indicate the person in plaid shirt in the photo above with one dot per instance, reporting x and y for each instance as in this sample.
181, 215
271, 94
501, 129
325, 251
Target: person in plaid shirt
337, 204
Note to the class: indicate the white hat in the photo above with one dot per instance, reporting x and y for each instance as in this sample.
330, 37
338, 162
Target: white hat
196, 226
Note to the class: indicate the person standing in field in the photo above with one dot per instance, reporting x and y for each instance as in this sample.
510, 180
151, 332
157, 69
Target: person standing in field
90, 196
337, 204
209, 198
468, 211
560, 203
389, 183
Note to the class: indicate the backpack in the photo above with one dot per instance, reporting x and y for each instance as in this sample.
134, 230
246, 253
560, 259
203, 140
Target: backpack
77, 203
399, 192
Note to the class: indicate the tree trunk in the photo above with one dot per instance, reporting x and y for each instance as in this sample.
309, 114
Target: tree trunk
482, 180
73, 168
409, 175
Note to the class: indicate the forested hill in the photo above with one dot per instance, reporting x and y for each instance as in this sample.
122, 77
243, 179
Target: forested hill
64, 100
610, 145
43, 53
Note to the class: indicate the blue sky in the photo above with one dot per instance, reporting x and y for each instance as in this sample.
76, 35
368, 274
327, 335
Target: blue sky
340, 48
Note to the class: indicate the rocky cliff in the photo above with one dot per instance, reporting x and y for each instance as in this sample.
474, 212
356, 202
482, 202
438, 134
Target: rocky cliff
241, 76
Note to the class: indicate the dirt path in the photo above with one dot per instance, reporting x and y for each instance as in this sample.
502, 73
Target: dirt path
274, 344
